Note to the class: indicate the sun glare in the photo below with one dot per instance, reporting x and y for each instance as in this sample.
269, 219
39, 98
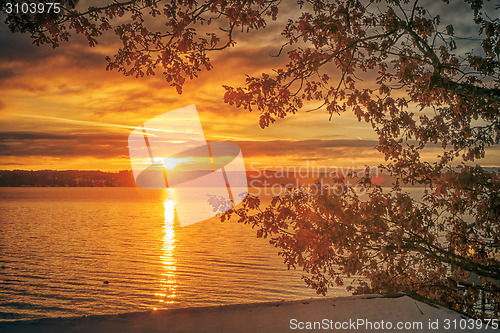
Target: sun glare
170, 163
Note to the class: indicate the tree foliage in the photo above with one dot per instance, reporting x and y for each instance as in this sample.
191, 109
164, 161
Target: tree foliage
396, 66
179, 49
426, 93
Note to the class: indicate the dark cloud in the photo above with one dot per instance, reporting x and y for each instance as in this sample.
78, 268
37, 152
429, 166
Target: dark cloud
19, 47
303, 147
30, 143
27, 135
82, 55
11, 163
253, 57
6, 73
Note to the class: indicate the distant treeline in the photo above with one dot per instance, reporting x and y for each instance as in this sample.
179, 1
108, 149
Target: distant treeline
67, 178
125, 178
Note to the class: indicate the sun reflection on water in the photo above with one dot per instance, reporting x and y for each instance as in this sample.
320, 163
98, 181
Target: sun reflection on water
168, 261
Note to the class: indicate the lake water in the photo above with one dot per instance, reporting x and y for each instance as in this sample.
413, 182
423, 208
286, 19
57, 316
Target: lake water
58, 247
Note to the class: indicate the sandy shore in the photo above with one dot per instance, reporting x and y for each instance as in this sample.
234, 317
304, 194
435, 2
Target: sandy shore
344, 314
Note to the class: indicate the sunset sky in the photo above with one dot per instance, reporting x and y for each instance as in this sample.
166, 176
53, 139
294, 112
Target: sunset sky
60, 109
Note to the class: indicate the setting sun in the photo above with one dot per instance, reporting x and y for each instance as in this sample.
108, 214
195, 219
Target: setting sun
170, 163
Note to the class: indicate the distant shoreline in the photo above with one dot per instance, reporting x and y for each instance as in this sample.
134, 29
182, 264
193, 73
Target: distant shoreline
125, 178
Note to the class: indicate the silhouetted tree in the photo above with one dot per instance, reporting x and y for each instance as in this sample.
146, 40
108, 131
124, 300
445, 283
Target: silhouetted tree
424, 88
